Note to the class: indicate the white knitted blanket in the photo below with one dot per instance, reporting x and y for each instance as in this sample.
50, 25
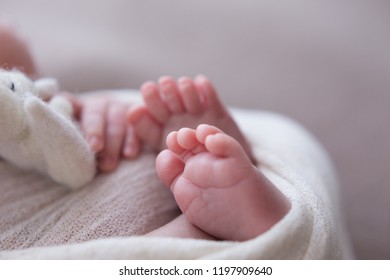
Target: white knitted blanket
40, 219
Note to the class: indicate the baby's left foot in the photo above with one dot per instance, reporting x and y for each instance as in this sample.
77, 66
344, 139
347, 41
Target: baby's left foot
216, 186
171, 105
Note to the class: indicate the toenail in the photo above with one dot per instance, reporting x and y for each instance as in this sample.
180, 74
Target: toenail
184, 80
129, 152
165, 79
148, 87
201, 77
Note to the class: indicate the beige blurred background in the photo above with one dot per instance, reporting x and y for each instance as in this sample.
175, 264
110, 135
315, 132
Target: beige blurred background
323, 63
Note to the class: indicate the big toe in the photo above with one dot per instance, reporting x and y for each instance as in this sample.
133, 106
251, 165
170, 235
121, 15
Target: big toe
169, 166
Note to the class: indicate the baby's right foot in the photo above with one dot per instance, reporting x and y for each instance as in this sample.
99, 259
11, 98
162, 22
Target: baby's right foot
217, 187
171, 105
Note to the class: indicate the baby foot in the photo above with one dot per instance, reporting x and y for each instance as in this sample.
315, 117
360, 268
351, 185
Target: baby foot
216, 186
171, 105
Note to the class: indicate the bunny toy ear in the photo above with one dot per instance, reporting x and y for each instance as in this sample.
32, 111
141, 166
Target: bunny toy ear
46, 88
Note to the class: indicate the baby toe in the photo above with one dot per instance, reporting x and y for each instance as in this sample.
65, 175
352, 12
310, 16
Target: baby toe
190, 95
170, 95
154, 102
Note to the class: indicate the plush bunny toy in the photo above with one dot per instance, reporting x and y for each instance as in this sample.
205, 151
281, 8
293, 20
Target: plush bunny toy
40, 136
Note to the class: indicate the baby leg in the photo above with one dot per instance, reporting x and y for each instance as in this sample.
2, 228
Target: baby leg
217, 187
